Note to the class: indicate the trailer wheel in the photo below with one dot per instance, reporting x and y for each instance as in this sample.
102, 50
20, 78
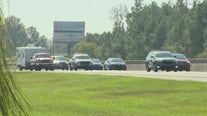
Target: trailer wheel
20, 68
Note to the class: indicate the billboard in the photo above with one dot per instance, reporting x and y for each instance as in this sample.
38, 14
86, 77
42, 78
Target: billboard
68, 31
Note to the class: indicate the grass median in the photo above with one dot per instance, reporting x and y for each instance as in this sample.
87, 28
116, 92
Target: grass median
66, 94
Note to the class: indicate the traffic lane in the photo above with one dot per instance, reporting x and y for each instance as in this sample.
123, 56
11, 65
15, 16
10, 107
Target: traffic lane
181, 76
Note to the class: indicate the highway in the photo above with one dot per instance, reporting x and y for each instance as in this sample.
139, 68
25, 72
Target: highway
180, 76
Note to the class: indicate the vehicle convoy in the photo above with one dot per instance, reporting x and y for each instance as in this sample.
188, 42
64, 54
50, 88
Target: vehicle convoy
80, 61
115, 64
163, 60
182, 62
24, 54
41, 61
59, 62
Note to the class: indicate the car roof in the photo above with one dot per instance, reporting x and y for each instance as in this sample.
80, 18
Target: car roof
42, 53
161, 51
80, 54
115, 58
177, 54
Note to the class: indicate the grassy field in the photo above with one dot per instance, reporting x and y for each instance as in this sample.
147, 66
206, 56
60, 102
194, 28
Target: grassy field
64, 94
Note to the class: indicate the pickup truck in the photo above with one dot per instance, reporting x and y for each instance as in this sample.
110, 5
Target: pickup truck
41, 61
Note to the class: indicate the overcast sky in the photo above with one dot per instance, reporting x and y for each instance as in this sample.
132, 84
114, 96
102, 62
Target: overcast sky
42, 13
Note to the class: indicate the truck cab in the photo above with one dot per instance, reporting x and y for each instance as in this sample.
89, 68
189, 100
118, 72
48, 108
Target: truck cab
41, 61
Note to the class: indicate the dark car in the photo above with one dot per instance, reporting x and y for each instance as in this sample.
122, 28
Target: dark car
182, 62
163, 60
59, 62
97, 64
115, 64
80, 61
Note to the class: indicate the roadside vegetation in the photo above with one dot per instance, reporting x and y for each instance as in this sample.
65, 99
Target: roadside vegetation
63, 94
12, 102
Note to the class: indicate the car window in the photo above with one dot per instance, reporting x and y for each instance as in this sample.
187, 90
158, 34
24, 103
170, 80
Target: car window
96, 61
180, 56
43, 56
160, 55
82, 57
117, 60
60, 58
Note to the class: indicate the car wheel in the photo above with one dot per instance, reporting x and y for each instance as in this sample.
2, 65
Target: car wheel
75, 68
36, 68
188, 69
71, 68
155, 68
20, 68
109, 68
147, 68
105, 67
175, 69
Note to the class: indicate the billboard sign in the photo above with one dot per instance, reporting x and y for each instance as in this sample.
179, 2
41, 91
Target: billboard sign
68, 31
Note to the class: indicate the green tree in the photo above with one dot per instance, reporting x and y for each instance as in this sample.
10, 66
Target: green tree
16, 31
33, 35
42, 41
119, 33
86, 47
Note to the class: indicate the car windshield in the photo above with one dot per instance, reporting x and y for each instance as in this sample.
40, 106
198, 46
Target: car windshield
117, 60
180, 56
82, 57
60, 58
43, 56
96, 61
163, 54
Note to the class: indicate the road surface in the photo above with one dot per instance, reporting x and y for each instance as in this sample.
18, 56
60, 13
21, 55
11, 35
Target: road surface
180, 76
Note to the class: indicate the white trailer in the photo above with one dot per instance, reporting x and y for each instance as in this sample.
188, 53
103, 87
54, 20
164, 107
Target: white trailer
24, 54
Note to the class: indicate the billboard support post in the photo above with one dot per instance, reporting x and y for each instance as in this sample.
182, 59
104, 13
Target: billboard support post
69, 49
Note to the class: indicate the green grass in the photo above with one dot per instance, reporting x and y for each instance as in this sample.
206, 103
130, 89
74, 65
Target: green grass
56, 94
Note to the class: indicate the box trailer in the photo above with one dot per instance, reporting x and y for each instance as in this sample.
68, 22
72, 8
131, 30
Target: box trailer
24, 54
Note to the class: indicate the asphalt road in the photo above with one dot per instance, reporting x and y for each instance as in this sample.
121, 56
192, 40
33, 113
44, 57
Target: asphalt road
180, 76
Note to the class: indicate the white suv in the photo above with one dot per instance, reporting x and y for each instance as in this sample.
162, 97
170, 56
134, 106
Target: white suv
80, 61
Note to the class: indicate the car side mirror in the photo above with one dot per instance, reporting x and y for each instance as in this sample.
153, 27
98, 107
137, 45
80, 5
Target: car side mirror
152, 57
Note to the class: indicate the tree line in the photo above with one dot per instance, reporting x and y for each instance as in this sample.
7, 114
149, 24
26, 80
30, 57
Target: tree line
177, 27
21, 36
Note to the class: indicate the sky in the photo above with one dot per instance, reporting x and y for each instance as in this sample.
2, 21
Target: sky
42, 13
